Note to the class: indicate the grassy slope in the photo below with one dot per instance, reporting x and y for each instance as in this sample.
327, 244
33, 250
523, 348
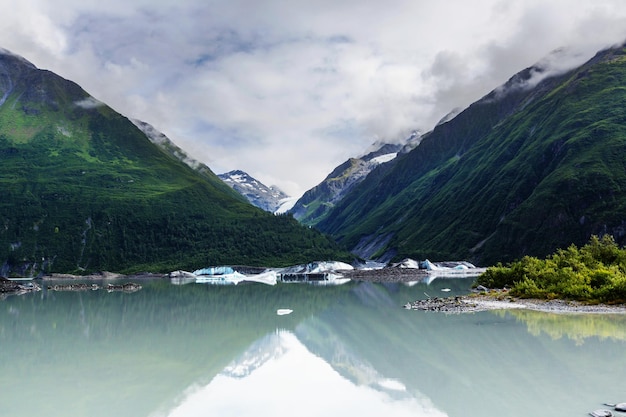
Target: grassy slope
522, 175
84, 189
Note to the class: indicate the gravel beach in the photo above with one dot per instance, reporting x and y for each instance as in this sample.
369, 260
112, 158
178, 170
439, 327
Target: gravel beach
493, 300
497, 301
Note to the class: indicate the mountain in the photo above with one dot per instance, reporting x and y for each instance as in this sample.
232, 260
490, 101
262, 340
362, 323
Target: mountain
255, 192
85, 190
535, 165
316, 203
169, 147
266, 198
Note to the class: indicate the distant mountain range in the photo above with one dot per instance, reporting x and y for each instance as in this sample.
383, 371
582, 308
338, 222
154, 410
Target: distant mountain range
535, 165
317, 202
85, 190
267, 198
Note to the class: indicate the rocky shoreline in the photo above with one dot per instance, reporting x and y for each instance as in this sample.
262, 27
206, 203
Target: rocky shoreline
499, 301
9, 287
101, 275
127, 287
386, 274
483, 300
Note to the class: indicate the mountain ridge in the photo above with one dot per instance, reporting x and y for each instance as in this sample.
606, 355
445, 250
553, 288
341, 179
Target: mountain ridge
316, 203
501, 180
258, 194
85, 190
168, 146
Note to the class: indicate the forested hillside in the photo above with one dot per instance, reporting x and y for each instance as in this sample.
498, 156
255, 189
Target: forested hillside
85, 190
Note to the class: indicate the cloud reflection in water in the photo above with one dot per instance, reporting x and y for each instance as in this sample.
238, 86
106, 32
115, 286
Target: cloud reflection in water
279, 376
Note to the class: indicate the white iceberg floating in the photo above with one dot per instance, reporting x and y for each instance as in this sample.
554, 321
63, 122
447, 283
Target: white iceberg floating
316, 273
221, 275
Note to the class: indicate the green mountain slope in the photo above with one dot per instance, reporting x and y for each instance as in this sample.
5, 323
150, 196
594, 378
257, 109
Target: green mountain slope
83, 189
525, 170
316, 203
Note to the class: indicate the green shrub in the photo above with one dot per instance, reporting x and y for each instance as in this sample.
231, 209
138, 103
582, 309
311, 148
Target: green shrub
594, 272
527, 288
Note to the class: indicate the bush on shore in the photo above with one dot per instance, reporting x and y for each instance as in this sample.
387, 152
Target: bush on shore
595, 272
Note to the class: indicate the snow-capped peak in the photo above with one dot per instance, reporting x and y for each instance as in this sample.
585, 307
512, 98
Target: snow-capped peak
267, 198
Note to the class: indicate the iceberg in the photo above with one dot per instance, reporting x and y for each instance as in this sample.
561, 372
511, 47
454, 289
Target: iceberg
447, 268
221, 275
316, 273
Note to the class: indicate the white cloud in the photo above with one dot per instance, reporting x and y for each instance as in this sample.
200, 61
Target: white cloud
89, 103
288, 90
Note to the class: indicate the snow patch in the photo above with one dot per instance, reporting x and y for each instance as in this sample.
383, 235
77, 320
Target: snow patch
392, 384
384, 158
286, 204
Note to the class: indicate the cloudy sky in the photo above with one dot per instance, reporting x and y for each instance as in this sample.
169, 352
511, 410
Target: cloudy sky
288, 89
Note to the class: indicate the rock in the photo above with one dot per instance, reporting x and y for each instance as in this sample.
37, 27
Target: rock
601, 413
482, 288
128, 287
8, 287
447, 305
73, 287
618, 407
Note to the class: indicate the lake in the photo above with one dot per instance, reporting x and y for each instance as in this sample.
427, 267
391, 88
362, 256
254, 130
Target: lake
201, 350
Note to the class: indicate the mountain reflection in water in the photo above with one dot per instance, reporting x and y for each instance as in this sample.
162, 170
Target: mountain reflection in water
198, 350
301, 383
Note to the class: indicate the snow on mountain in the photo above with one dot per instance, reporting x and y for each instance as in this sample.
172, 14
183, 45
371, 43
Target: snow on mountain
270, 199
315, 203
384, 158
286, 204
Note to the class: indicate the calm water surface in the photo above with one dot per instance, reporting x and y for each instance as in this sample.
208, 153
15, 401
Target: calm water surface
199, 350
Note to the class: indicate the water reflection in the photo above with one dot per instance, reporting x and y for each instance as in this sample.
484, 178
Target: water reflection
190, 350
301, 383
577, 327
